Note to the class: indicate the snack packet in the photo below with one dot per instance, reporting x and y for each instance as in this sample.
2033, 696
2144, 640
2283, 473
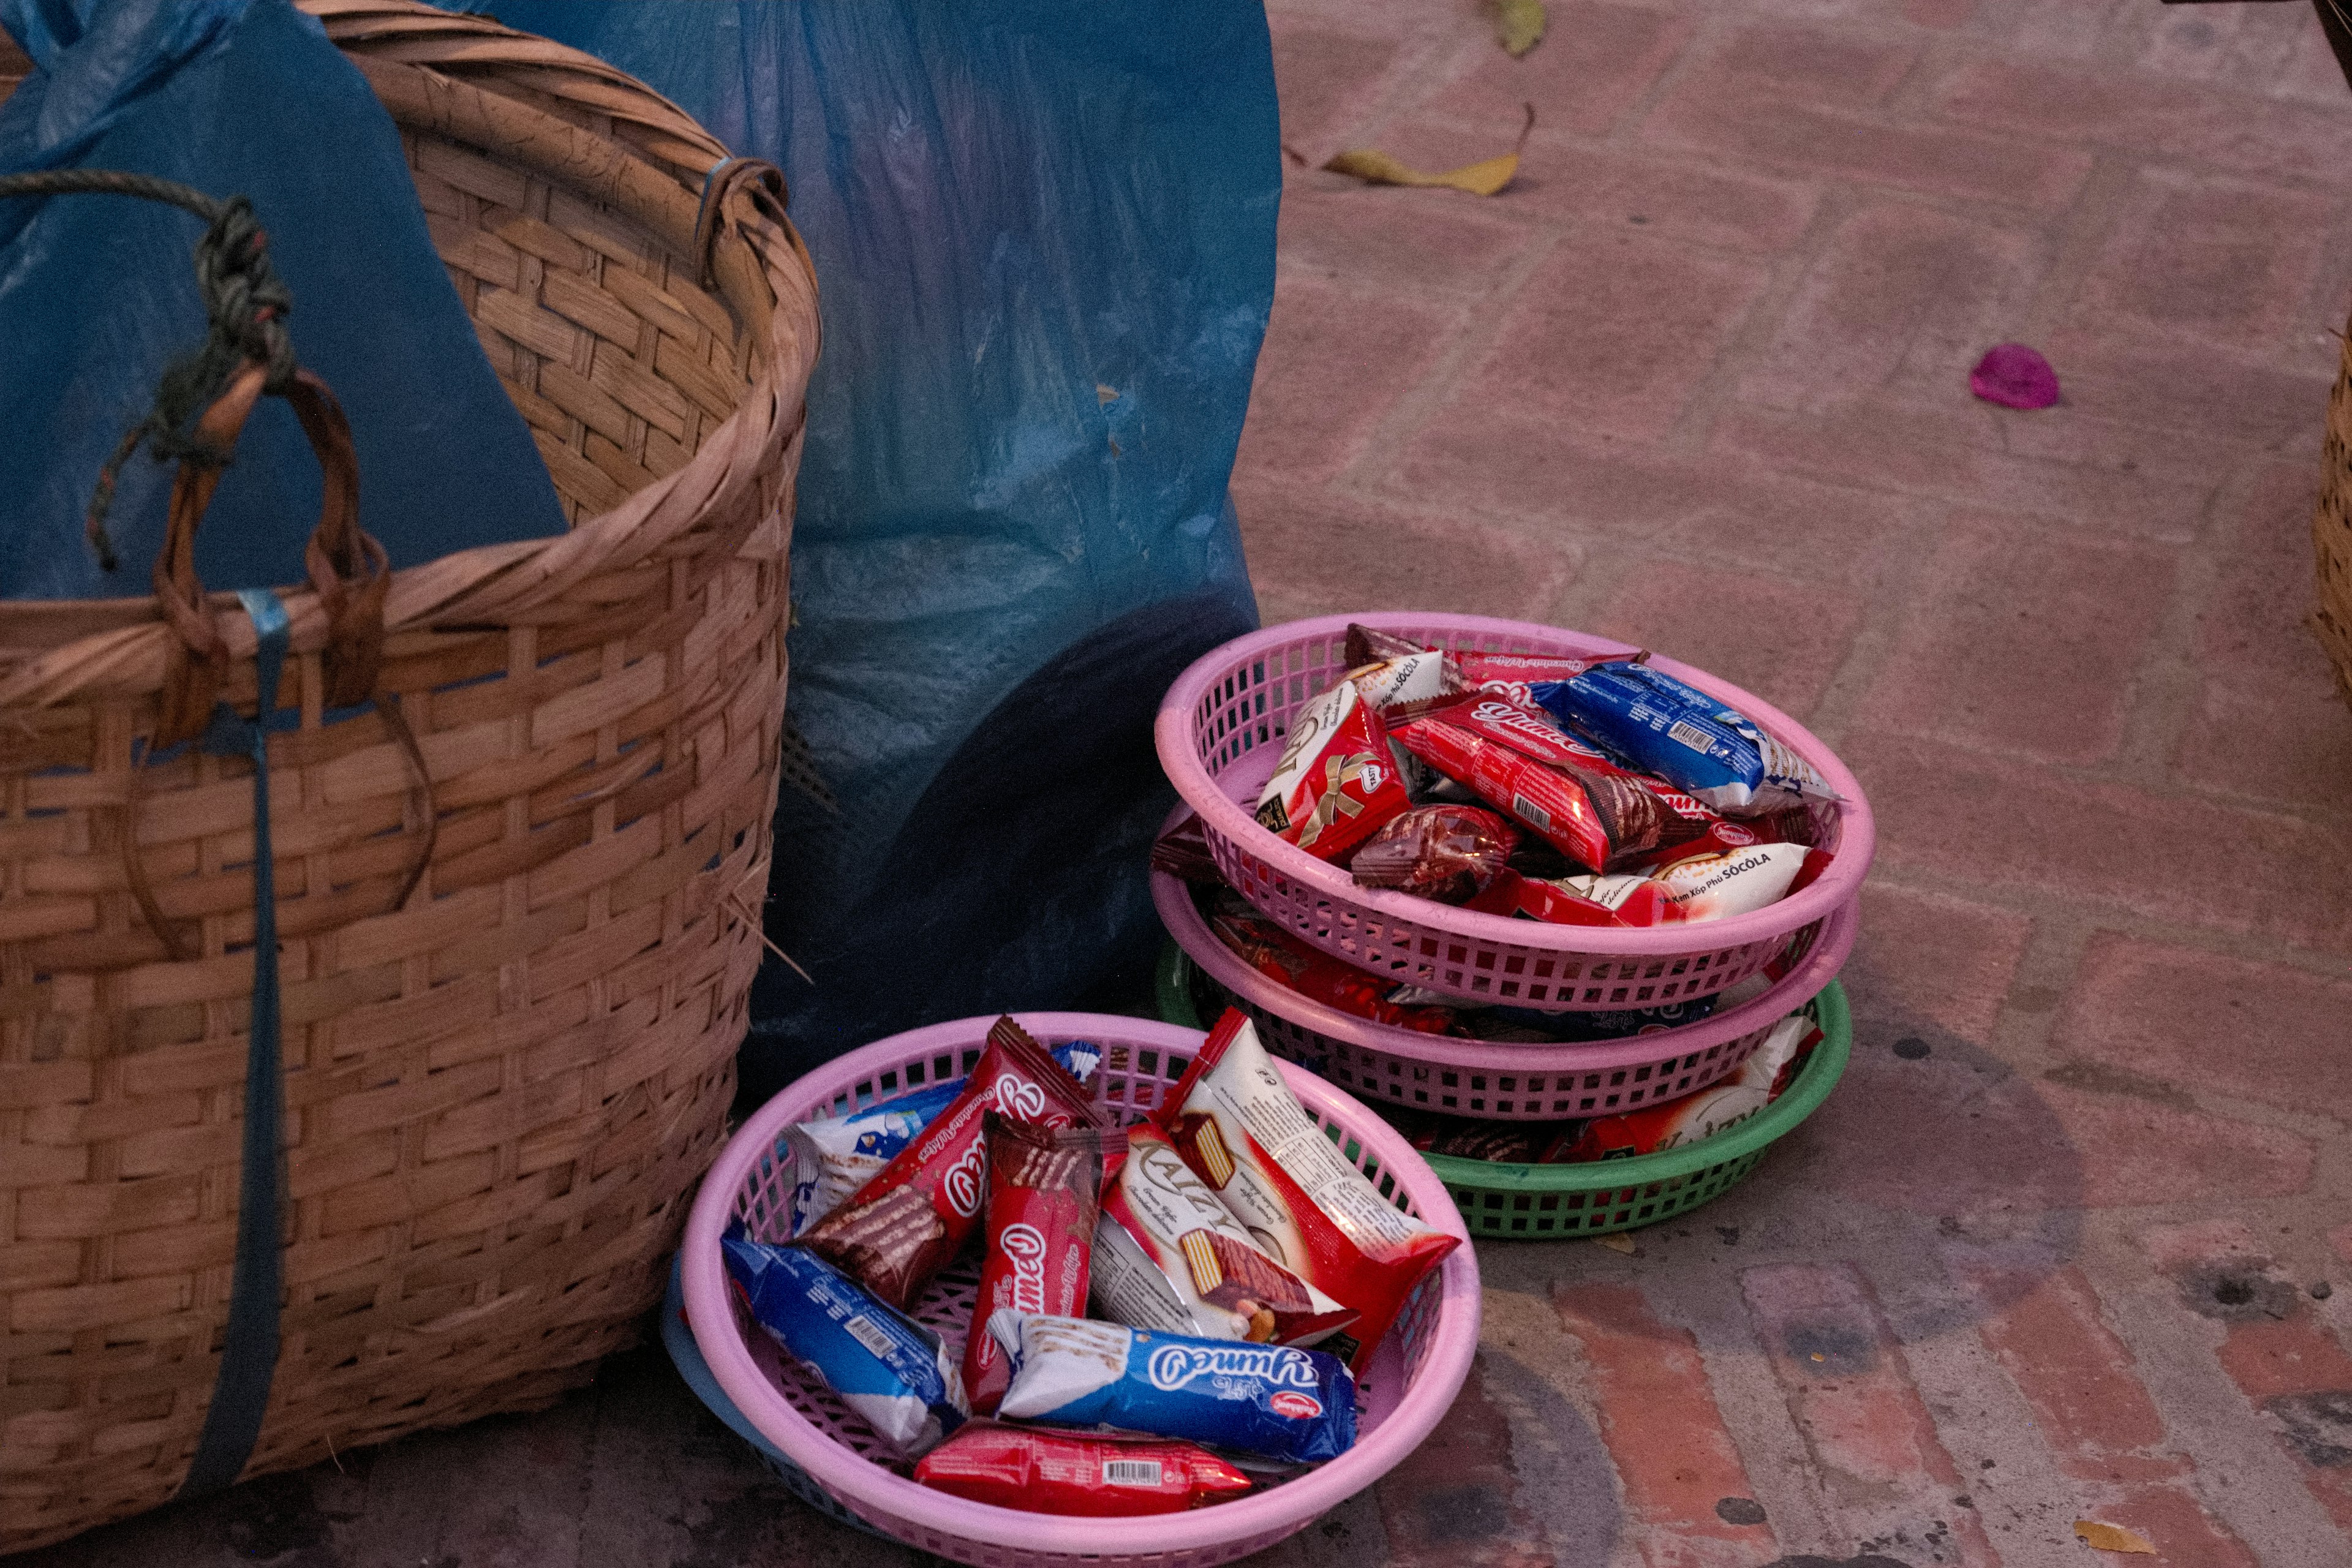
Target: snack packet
910, 1221
1670, 1124
1715, 887
1169, 1256
1278, 1402
1183, 853
1463, 1138
1400, 678
1044, 1187
1512, 675
1085, 1476
833, 1156
1704, 747
1243, 1132
1316, 974
1636, 901
1336, 782
893, 1371
1534, 899
1448, 853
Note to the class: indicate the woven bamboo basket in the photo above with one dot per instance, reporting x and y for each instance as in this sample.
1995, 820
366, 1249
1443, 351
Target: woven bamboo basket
500, 1093
2331, 529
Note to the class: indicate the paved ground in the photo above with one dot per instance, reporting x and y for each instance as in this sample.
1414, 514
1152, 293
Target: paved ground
2057, 1248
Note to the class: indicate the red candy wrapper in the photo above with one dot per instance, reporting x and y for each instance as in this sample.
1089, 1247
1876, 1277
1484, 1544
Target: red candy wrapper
914, 1215
1062, 1472
1510, 675
1669, 1124
1170, 1256
1532, 898
1244, 1134
1337, 782
1449, 853
1314, 973
1045, 1190
1645, 818
1558, 808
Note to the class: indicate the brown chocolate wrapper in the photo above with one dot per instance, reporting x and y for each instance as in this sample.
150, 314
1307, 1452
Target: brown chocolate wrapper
1448, 853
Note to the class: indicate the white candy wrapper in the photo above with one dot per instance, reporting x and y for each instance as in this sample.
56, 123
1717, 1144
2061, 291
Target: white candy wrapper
1715, 887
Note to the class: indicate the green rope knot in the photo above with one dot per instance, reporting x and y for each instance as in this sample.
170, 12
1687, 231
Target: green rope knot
245, 306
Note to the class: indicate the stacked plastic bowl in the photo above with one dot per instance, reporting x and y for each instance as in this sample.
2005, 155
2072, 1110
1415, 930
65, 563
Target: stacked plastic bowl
1221, 731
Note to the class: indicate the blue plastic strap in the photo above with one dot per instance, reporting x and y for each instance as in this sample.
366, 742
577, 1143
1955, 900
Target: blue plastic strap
249, 1350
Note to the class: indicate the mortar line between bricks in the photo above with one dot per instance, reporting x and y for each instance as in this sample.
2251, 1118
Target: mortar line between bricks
2037, 903
1375, 462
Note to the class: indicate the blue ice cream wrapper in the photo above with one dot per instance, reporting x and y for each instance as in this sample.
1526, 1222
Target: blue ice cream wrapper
1686, 736
893, 1371
1275, 1402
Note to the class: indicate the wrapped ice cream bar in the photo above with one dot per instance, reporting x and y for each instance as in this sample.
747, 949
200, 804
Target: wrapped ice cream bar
835, 1156
894, 1373
1449, 853
1671, 1124
1634, 901
906, 1224
1278, 1402
1314, 973
1170, 1256
1183, 853
1308, 1208
1715, 887
1682, 734
1513, 676
1336, 782
1401, 680
1086, 1477
1043, 1198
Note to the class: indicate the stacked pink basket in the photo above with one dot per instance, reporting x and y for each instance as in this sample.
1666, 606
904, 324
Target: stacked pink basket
1220, 730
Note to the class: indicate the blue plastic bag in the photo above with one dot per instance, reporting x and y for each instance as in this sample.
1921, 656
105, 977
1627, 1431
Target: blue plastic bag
97, 294
1043, 235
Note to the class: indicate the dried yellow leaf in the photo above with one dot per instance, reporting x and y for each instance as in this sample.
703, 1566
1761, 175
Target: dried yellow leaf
1484, 178
2112, 1537
1617, 1241
1519, 25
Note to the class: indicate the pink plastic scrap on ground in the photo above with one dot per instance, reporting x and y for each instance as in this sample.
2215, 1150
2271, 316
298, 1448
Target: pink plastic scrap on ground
2014, 376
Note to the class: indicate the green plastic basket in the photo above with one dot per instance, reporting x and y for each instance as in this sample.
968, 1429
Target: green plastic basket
1539, 1202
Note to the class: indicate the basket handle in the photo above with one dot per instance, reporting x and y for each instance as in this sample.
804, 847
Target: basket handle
756, 179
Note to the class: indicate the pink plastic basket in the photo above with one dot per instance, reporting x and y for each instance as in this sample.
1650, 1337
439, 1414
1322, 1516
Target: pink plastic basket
1490, 1080
1412, 1382
1220, 733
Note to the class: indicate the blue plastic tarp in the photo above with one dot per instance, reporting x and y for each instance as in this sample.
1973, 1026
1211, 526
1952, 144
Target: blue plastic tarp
97, 294
1044, 233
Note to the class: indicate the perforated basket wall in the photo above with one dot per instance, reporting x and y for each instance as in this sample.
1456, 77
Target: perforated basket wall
1406, 1390
499, 1095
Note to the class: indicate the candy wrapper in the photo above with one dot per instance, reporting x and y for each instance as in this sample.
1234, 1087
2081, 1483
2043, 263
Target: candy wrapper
1044, 1188
835, 1156
1463, 1138
1088, 1477
1636, 901
1449, 853
1336, 783
1183, 853
1511, 895
1308, 1208
1316, 974
1400, 678
908, 1222
890, 1370
1755, 1084
1524, 1026
1513, 676
1170, 1256
1683, 735
1715, 887
1278, 1402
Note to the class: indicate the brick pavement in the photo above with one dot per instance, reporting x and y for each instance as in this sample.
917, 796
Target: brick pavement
1699, 380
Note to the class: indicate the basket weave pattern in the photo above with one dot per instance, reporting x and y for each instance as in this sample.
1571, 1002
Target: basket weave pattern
497, 1095
2331, 531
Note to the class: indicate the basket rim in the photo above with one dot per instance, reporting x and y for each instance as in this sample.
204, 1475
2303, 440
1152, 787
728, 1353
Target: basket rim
1775, 1121
878, 1493
1793, 990
489, 582
1172, 737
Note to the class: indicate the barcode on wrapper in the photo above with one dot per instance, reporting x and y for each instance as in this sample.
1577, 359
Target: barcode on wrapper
871, 1334
1130, 1472
1531, 814
1691, 735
